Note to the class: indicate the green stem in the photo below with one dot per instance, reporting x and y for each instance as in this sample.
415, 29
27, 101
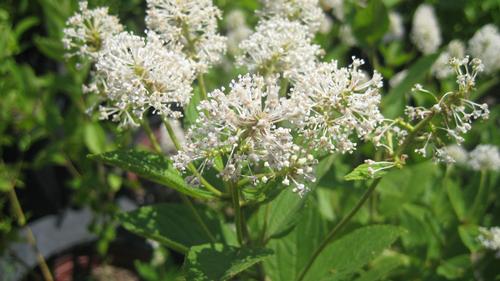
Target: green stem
203, 88
21, 218
337, 228
191, 167
410, 138
283, 87
237, 212
151, 136
479, 200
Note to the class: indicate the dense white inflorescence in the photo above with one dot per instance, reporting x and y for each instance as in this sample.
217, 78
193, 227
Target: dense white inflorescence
87, 31
244, 125
452, 154
140, 73
278, 46
396, 28
425, 33
307, 12
490, 238
191, 24
342, 101
484, 45
455, 49
485, 157
238, 31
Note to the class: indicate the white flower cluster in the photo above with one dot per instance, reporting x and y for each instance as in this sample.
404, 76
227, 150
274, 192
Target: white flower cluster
238, 30
307, 12
191, 24
485, 157
279, 46
484, 45
452, 154
245, 126
396, 28
490, 238
455, 49
140, 73
426, 34
342, 101
87, 31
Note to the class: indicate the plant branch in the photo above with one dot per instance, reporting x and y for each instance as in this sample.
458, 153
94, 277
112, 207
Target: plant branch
237, 212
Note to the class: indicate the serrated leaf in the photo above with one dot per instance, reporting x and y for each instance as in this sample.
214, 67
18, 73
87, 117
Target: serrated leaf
218, 262
344, 257
152, 166
174, 225
368, 171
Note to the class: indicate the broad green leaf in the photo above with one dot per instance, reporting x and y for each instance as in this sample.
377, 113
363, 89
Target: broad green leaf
292, 251
370, 23
393, 102
455, 267
282, 213
346, 256
468, 235
368, 171
153, 167
382, 267
218, 262
174, 225
95, 138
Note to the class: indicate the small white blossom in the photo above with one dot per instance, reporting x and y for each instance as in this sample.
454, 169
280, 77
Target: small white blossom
346, 35
235, 19
141, 73
426, 34
244, 126
452, 154
191, 24
440, 68
326, 24
485, 157
278, 46
396, 28
484, 45
343, 102
87, 30
307, 12
490, 238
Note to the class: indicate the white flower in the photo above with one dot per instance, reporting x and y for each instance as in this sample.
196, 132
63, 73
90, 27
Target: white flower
139, 73
244, 127
307, 12
440, 68
192, 24
326, 24
426, 34
235, 19
87, 31
346, 35
337, 7
278, 46
237, 31
485, 157
484, 45
396, 28
452, 154
343, 102
398, 78
490, 238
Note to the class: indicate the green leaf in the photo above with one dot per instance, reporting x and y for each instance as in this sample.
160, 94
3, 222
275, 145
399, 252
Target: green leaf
370, 23
468, 235
174, 225
368, 171
282, 213
52, 48
191, 112
455, 267
95, 138
382, 267
456, 197
393, 102
344, 257
218, 262
153, 167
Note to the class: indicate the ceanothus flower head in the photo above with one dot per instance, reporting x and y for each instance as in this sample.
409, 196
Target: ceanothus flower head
244, 126
426, 34
191, 24
87, 30
307, 12
140, 73
485, 157
440, 68
490, 238
396, 28
342, 102
484, 45
278, 46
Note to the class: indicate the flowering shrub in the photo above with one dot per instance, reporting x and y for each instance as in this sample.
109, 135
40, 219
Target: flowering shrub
276, 142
